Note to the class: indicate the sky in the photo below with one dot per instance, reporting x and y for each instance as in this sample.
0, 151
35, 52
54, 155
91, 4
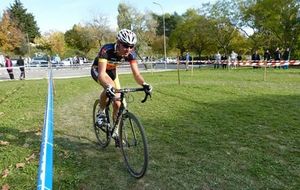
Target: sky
61, 15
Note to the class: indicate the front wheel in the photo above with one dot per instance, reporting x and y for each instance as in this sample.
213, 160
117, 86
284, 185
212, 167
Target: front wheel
133, 144
100, 131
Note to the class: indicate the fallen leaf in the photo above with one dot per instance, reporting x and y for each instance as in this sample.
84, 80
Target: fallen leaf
5, 187
26, 145
20, 165
31, 157
4, 143
1, 113
38, 133
5, 173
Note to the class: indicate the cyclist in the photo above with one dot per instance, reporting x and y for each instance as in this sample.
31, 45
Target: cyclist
104, 71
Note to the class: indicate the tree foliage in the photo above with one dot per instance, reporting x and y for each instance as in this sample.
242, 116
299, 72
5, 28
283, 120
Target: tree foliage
99, 28
81, 37
10, 36
277, 21
142, 24
53, 42
25, 21
125, 17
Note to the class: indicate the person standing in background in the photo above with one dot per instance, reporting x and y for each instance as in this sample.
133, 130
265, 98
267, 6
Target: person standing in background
223, 60
217, 60
277, 57
8, 65
286, 58
255, 59
20, 63
233, 58
187, 59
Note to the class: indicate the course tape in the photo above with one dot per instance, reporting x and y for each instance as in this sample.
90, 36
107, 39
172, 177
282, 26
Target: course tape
45, 172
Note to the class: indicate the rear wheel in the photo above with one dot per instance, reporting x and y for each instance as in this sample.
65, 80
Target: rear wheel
133, 144
100, 131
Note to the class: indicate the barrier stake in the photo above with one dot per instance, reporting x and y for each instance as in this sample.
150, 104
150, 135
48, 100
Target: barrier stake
192, 66
178, 69
265, 73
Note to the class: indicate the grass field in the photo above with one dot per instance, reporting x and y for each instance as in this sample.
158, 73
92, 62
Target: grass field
218, 129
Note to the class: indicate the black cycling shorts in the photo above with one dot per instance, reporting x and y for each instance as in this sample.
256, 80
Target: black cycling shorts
94, 73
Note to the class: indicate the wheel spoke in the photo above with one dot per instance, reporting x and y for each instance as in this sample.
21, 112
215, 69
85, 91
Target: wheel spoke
135, 149
100, 132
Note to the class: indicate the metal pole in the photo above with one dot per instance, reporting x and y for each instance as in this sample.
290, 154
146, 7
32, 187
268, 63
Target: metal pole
164, 28
28, 44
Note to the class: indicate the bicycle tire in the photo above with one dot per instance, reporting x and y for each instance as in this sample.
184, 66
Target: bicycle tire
101, 133
133, 143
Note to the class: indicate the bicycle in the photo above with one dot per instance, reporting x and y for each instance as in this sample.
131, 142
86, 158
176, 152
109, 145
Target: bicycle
132, 138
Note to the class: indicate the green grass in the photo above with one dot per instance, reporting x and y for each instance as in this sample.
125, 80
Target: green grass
218, 129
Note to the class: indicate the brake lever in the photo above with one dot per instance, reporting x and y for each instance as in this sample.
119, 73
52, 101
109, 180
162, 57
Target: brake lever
146, 97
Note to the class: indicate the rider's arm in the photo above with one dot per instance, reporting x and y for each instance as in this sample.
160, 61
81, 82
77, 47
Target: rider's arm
136, 73
103, 77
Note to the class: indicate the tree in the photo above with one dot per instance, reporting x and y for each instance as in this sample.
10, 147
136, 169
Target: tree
171, 21
226, 27
100, 29
81, 38
142, 24
277, 21
10, 36
125, 17
192, 33
57, 42
25, 21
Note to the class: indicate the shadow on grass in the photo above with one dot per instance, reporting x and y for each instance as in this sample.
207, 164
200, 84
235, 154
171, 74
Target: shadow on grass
20, 138
237, 144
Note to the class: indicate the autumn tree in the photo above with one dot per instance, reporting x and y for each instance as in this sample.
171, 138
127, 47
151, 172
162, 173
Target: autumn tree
52, 41
10, 36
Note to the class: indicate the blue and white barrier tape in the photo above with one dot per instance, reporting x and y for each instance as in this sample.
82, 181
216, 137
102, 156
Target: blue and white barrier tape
46, 153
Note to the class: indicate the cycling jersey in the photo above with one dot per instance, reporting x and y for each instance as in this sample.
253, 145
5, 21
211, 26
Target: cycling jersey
108, 53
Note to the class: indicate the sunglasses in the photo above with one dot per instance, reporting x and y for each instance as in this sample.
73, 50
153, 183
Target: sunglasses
127, 46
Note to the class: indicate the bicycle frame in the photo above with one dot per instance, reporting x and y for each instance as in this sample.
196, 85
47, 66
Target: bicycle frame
120, 111
122, 108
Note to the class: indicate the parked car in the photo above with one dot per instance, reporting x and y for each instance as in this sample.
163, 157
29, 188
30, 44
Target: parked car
67, 62
39, 62
55, 61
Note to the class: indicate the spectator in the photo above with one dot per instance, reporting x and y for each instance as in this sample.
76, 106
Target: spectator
255, 59
20, 63
239, 57
187, 59
233, 58
8, 65
267, 55
286, 58
223, 60
277, 57
217, 60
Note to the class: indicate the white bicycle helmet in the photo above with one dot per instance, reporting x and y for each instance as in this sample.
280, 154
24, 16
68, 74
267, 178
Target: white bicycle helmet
127, 36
